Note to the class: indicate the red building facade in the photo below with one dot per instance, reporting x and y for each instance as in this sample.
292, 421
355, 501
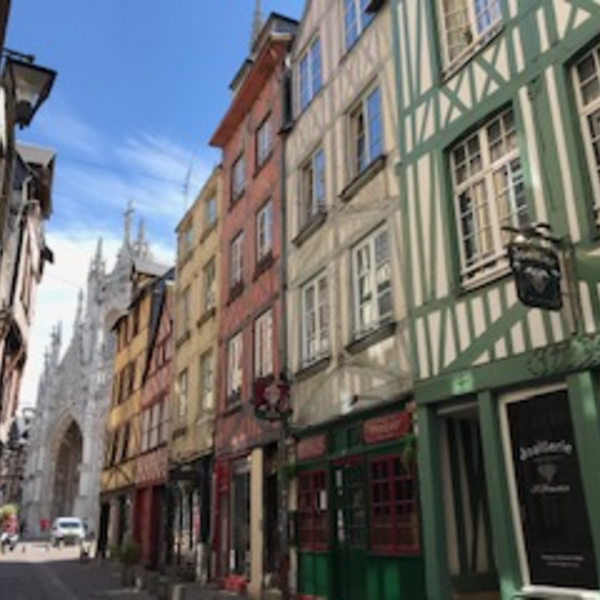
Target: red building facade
245, 522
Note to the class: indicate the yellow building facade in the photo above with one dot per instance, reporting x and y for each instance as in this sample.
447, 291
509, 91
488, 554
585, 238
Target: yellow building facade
192, 412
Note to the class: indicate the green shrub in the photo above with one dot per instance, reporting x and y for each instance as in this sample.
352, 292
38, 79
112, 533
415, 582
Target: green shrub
130, 552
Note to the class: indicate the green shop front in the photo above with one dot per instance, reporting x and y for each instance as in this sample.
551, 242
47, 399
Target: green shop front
510, 476
357, 531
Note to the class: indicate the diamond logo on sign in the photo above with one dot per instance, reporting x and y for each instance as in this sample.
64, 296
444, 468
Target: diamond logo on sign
537, 274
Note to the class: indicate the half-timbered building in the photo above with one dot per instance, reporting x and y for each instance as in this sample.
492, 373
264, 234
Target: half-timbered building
151, 468
123, 427
499, 171
354, 490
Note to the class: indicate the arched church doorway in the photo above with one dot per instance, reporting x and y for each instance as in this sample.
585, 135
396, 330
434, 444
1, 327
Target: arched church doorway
66, 476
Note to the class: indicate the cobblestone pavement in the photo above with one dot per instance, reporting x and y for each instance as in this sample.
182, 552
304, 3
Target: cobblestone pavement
34, 571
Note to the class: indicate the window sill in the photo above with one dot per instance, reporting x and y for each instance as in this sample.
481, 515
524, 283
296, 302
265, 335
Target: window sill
207, 316
182, 339
235, 200
179, 432
487, 276
235, 291
313, 368
372, 337
260, 166
360, 180
263, 264
312, 225
234, 404
206, 233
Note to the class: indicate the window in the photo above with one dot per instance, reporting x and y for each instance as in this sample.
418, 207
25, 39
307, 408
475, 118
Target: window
366, 133
315, 320
182, 395
372, 282
264, 231
234, 368
125, 441
310, 73
312, 510
489, 193
210, 211
394, 507
186, 240
312, 187
264, 141
238, 178
263, 345
209, 281
356, 18
587, 80
206, 382
184, 313
236, 258
467, 23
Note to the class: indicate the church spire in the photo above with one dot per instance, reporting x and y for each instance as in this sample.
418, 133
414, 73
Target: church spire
128, 213
256, 23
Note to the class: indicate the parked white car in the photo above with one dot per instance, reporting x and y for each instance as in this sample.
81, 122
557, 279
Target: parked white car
67, 530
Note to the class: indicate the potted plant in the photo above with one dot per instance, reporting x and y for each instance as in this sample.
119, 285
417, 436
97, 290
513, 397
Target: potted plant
129, 556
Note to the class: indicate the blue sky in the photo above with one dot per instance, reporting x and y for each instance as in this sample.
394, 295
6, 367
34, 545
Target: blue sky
141, 86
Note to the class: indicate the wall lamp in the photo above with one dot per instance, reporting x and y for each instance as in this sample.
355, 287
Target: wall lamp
29, 84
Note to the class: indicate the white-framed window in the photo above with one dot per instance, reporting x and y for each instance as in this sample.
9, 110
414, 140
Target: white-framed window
310, 73
466, 24
312, 187
489, 193
264, 141
234, 368
263, 345
356, 18
182, 395
206, 382
209, 285
372, 282
210, 211
238, 177
264, 231
366, 131
236, 254
315, 320
587, 84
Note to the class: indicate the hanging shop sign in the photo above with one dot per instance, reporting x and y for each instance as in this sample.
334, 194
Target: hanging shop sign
553, 514
536, 269
387, 427
271, 398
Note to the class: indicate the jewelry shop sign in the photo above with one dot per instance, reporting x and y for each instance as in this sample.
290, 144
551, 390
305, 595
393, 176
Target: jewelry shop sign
553, 513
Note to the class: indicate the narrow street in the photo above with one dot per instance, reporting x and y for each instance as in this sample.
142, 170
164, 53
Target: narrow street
34, 572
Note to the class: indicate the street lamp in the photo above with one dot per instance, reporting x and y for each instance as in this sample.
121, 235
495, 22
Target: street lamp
29, 84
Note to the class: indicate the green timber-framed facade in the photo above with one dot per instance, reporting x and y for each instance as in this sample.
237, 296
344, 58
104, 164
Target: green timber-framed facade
498, 121
354, 493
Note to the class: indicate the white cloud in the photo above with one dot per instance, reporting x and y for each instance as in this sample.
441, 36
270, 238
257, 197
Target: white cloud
94, 181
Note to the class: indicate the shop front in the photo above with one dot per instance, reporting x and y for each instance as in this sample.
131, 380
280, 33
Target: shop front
357, 518
509, 479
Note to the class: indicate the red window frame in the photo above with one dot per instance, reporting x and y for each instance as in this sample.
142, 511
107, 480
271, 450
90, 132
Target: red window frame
312, 510
394, 506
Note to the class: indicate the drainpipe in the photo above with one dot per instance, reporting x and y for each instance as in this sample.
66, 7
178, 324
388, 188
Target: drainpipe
284, 550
